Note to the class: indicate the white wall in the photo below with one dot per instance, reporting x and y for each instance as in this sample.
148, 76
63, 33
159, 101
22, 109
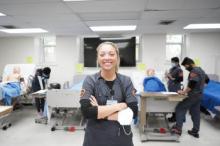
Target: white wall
154, 52
15, 50
67, 55
205, 47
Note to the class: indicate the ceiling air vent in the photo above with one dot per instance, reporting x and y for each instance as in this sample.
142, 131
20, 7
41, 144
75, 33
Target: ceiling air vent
166, 22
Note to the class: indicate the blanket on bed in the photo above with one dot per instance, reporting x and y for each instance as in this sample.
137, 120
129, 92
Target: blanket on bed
9, 91
211, 96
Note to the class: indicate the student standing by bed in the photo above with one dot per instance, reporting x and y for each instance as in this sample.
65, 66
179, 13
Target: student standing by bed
175, 77
194, 90
40, 82
104, 95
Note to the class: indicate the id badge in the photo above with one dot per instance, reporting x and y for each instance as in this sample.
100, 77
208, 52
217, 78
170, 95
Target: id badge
111, 102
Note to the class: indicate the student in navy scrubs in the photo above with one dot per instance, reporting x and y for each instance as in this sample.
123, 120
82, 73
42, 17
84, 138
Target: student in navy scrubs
103, 95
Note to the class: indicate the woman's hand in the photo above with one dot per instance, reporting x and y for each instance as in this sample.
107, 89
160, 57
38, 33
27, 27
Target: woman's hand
93, 101
181, 92
121, 106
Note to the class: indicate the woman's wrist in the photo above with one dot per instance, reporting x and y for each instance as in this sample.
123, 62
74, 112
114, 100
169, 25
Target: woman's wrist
113, 117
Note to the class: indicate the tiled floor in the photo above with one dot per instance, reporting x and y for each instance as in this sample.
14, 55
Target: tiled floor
25, 132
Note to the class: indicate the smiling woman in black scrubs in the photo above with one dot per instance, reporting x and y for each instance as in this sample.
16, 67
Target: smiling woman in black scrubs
103, 95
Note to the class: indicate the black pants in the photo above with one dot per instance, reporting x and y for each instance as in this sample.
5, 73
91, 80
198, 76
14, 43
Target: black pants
192, 104
107, 133
40, 104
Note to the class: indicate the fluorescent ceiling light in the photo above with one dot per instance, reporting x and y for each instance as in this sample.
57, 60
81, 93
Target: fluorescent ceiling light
113, 28
1, 14
203, 26
24, 30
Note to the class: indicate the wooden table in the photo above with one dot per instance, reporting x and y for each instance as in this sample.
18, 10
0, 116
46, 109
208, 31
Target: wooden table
168, 96
5, 110
40, 94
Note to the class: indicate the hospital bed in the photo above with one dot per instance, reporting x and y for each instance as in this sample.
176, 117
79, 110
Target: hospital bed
154, 108
62, 103
217, 108
66, 103
5, 112
12, 90
211, 97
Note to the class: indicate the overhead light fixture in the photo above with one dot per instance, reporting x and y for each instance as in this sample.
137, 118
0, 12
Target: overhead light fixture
113, 28
24, 30
1, 14
203, 26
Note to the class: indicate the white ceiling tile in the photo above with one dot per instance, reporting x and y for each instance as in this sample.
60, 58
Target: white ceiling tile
25, 1
201, 4
6, 20
74, 17
208, 20
12, 21
32, 9
176, 14
182, 4
165, 4
108, 23
215, 13
108, 6
110, 16
58, 18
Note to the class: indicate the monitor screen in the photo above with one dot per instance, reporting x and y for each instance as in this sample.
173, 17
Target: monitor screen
126, 50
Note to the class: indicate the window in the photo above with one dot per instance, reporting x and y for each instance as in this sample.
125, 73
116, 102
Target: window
137, 49
48, 52
173, 46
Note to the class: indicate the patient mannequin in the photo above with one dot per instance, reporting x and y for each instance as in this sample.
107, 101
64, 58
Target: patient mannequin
150, 72
17, 81
15, 76
152, 83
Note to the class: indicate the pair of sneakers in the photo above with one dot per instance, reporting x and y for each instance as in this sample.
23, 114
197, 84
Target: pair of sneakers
194, 133
178, 131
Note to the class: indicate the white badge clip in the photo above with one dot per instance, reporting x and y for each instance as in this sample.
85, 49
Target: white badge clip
111, 102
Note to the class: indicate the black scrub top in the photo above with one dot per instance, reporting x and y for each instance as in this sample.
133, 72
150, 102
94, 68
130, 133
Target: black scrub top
100, 132
177, 73
198, 75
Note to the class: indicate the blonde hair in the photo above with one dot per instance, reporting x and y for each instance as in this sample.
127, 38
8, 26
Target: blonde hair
116, 50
